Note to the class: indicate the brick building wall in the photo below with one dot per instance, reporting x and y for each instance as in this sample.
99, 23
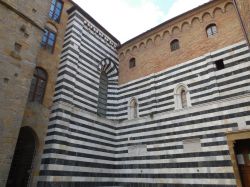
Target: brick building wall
152, 50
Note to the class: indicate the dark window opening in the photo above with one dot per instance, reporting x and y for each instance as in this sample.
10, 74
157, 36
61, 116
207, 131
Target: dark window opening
132, 63
174, 45
38, 85
211, 30
56, 10
102, 96
219, 64
48, 40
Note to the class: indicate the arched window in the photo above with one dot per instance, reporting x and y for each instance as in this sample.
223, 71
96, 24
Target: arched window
211, 30
133, 107
174, 45
132, 63
38, 85
102, 96
182, 97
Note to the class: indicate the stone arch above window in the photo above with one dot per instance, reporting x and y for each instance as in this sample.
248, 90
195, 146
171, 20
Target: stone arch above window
182, 97
175, 45
211, 30
133, 109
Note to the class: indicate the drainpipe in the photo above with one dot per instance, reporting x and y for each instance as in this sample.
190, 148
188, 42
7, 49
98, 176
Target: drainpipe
241, 23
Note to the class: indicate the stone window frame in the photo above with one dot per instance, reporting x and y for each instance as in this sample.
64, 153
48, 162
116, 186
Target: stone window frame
177, 96
133, 112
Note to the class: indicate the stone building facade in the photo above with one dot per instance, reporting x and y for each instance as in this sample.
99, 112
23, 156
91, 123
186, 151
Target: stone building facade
170, 107
24, 113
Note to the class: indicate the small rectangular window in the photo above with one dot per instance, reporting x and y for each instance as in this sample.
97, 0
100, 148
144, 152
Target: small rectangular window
132, 63
219, 65
56, 10
48, 40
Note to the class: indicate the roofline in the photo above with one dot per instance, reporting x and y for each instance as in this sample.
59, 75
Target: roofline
165, 22
90, 18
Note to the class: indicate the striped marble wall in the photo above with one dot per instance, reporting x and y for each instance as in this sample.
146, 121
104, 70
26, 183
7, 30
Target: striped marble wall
165, 146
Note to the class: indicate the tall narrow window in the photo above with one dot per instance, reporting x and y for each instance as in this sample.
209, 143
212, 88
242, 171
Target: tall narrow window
56, 10
102, 97
174, 45
38, 85
133, 109
48, 40
183, 98
211, 30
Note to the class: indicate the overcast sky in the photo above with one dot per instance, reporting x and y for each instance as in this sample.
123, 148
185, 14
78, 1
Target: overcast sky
126, 19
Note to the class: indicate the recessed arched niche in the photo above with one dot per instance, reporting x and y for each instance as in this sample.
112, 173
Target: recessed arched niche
217, 12
206, 17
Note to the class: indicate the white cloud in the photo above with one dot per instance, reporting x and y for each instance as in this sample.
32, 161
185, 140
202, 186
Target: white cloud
181, 6
124, 19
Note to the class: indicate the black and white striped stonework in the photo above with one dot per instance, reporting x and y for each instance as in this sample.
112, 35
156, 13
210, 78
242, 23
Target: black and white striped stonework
84, 149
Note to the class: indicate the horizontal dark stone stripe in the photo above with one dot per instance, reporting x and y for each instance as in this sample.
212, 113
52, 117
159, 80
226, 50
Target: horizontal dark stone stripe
214, 135
222, 90
220, 98
206, 94
159, 101
78, 154
202, 129
64, 162
121, 184
60, 142
231, 81
139, 175
175, 156
215, 163
214, 143
140, 158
